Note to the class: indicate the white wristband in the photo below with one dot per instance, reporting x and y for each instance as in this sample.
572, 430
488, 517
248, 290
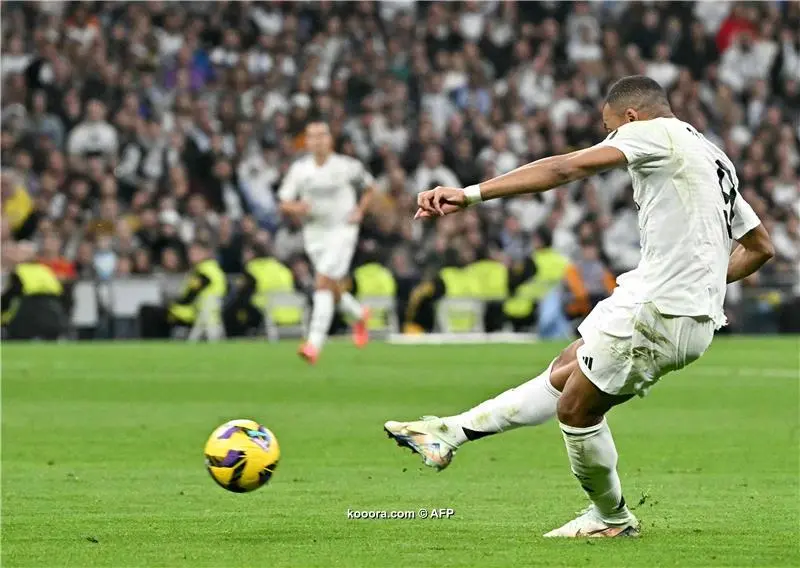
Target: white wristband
473, 194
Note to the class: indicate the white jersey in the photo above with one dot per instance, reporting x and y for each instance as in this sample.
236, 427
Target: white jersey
690, 210
330, 189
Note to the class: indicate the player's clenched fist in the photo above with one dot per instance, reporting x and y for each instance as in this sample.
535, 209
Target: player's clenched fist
440, 201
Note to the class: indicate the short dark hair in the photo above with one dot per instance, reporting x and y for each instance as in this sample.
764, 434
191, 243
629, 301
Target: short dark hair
259, 250
545, 236
637, 92
316, 117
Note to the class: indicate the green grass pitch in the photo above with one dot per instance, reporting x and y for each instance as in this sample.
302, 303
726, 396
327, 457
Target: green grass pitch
102, 459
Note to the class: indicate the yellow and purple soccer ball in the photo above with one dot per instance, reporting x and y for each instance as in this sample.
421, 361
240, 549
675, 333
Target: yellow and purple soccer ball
241, 455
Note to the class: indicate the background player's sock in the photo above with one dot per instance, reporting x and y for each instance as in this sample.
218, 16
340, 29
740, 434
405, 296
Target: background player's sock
350, 307
321, 317
528, 404
593, 458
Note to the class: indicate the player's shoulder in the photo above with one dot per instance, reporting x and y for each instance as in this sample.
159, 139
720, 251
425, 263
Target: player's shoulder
648, 129
346, 160
301, 162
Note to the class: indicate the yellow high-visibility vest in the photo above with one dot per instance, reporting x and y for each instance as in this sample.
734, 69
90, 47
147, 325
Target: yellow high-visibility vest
271, 276
217, 288
551, 266
459, 283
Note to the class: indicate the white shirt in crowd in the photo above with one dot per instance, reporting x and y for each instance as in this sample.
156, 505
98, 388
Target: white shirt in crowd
791, 61
665, 73
383, 133
578, 51
14, 63
257, 178
739, 68
712, 14
89, 137
561, 109
440, 107
169, 43
536, 89
268, 22
427, 178
531, 212
504, 161
686, 191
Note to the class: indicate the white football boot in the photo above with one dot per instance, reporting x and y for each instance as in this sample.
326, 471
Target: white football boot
589, 524
424, 437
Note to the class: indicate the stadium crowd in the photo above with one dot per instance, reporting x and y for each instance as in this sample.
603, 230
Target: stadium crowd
132, 129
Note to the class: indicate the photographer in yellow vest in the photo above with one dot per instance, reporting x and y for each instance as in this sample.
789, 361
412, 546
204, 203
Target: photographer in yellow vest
32, 304
487, 277
450, 279
263, 275
205, 282
539, 275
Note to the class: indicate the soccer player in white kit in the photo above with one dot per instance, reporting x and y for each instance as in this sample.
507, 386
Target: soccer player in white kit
660, 318
321, 190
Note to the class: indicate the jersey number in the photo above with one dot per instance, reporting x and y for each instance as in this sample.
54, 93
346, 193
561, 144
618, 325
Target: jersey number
730, 198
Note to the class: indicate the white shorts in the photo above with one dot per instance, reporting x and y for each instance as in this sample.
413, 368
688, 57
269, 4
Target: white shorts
629, 346
332, 251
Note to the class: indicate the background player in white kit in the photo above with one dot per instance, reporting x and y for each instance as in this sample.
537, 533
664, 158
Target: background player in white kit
661, 317
322, 190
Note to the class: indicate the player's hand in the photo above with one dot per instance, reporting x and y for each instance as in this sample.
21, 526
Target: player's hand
300, 210
355, 217
440, 201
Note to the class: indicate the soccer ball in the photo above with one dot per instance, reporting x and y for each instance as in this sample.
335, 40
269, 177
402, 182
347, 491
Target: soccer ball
241, 455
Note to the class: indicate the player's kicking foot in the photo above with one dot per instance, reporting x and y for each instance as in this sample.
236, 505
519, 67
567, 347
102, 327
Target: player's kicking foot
421, 438
360, 330
590, 525
309, 353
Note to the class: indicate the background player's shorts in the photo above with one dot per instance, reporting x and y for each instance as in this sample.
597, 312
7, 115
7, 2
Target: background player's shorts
332, 251
628, 346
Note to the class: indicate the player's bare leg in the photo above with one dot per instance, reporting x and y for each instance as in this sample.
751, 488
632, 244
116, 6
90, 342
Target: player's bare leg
357, 314
532, 403
325, 298
593, 460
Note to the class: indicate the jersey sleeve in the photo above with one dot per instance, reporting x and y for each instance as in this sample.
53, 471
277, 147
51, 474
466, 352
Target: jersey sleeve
289, 190
640, 142
360, 177
744, 218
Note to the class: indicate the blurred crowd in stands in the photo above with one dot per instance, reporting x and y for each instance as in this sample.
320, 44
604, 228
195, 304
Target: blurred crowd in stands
132, 129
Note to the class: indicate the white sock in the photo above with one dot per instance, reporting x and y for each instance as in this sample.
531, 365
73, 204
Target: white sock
529, 404
593, 458
321, 317
350, 307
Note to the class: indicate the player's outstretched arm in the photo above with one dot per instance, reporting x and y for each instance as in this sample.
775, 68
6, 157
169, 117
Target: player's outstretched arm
536, 177
753, 251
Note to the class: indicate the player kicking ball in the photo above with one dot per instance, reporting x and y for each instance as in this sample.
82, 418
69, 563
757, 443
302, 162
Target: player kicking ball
321, 191
660, 318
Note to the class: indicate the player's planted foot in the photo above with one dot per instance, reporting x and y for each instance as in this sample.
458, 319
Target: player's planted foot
590, 525
360, 330
308, 352
421, 437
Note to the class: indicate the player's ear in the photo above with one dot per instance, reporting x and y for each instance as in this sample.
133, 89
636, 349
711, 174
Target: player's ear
631, 115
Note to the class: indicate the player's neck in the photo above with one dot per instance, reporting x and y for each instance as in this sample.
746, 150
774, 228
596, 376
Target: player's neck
320, 159
656, 114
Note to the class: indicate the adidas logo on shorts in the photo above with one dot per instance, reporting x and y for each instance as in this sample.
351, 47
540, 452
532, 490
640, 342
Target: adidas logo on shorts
588, 362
